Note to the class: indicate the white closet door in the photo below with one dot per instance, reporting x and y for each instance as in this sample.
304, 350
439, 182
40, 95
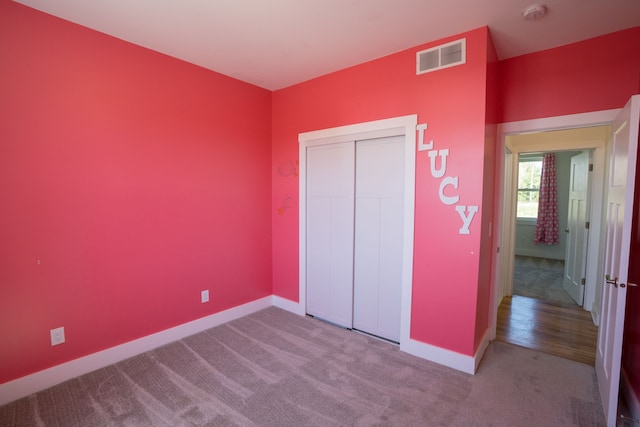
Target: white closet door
330, 215
378, 236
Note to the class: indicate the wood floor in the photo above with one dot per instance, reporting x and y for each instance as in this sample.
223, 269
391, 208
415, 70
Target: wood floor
563, 330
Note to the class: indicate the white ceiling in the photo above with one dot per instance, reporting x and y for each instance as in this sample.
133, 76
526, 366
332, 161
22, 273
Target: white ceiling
277, 43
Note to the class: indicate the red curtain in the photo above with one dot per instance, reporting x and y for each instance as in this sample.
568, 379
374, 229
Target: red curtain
547, 225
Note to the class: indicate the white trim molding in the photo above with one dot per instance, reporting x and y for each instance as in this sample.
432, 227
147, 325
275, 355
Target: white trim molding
288, 305
570, 121
477, 357
46, 378
448, 358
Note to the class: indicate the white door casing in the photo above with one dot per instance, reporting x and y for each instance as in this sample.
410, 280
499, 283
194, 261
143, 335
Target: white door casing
405, 126
507, 233
619, 216
576, 251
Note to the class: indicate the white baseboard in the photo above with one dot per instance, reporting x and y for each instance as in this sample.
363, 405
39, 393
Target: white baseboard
595, 316
288, 305
441, 356
477, 358
630, 397
435, 354
46, 378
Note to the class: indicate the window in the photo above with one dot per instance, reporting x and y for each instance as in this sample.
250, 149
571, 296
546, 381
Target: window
529, 172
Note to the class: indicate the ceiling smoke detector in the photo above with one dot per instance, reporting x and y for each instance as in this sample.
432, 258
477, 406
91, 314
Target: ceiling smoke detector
534, 12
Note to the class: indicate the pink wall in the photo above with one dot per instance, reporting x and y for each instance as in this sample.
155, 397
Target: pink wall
484, 301
452, 102
129, 181
592, 75
596, 74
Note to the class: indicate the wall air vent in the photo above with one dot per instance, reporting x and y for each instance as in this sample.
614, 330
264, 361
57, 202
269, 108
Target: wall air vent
443, 56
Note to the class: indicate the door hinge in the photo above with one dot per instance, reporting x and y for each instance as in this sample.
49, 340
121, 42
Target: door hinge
586, 225
591, 167
583, 281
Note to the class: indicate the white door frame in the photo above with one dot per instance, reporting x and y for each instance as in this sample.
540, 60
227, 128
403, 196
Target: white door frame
505, 215
506, 234
397, 126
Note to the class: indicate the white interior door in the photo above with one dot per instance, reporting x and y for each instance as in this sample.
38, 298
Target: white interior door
618, 223
575, 267
378, 238
330, 216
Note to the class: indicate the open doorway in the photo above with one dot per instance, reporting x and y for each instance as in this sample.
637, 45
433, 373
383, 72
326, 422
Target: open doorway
552, 211
569, 135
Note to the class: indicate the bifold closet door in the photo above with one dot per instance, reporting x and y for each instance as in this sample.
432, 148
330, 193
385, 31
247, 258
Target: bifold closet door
329, 239
379, 213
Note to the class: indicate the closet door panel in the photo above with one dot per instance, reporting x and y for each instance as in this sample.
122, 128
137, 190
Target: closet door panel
390, 285
330, 222
378, 236
366, 263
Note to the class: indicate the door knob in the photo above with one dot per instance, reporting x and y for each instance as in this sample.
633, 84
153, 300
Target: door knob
613, 282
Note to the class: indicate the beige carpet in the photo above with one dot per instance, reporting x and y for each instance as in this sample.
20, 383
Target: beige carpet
273, 368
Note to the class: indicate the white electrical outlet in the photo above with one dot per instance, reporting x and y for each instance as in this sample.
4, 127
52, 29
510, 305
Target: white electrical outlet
204, 296
57, 336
